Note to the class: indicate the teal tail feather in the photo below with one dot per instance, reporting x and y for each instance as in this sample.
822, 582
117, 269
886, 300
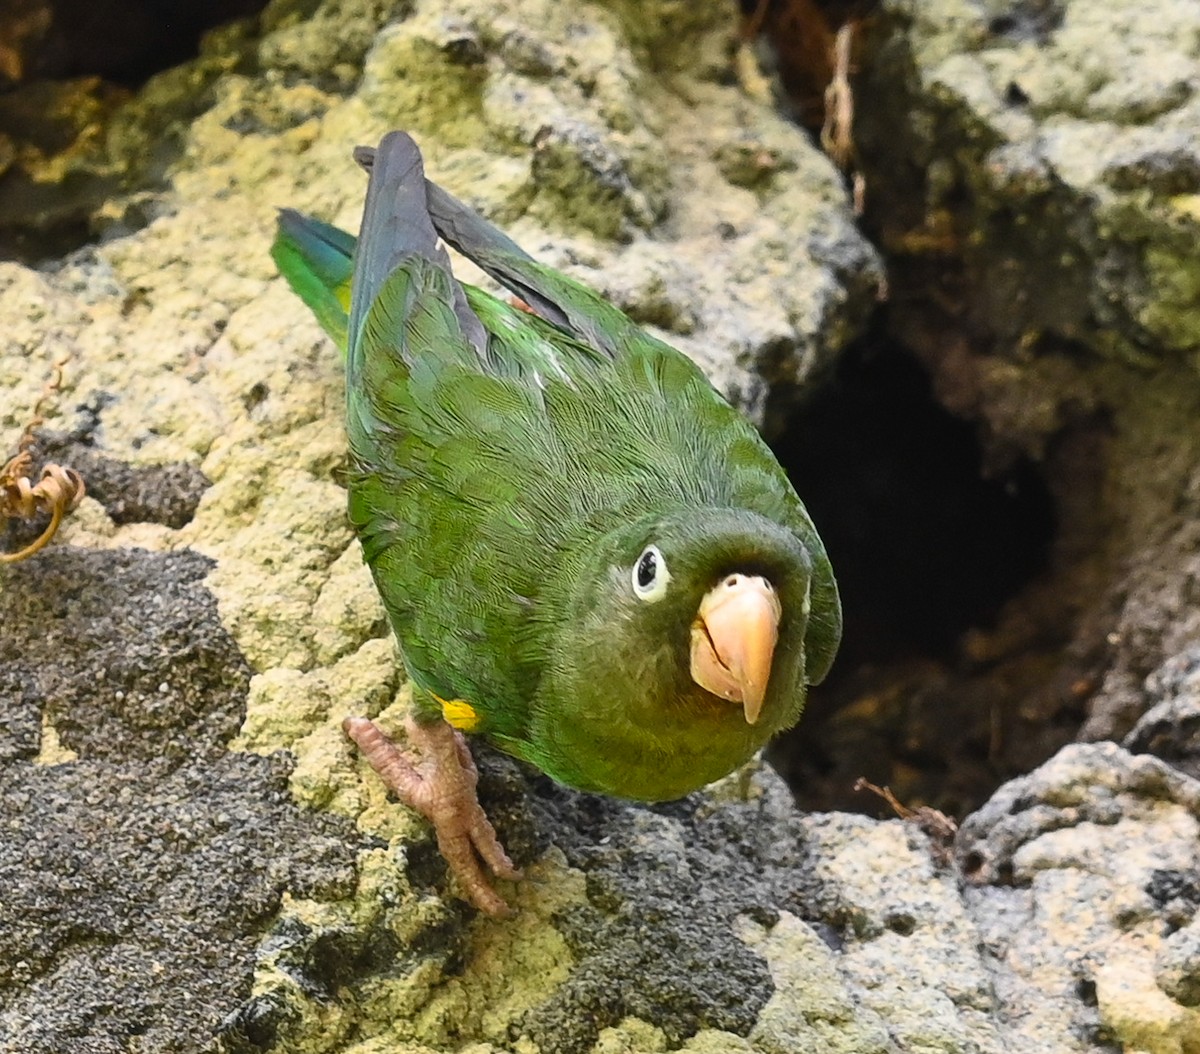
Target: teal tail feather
317, 259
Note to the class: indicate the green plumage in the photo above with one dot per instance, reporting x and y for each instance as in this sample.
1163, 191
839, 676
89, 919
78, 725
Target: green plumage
508, 470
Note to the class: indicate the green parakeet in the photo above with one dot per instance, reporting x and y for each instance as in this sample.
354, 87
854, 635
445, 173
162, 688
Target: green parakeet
586, 554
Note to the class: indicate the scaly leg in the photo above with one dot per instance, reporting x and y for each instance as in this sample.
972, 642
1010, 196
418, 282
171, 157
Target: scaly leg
441, 786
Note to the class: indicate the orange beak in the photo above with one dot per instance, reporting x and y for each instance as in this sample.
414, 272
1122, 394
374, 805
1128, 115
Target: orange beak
733, 641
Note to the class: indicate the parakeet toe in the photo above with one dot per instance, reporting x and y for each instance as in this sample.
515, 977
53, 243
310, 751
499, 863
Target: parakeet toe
440, 784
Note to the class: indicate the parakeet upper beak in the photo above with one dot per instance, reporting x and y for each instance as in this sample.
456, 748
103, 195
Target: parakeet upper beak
733, 641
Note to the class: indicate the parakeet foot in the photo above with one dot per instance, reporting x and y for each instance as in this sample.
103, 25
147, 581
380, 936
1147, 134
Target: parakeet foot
441, 786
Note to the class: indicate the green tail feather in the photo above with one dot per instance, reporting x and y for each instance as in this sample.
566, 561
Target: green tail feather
317, 259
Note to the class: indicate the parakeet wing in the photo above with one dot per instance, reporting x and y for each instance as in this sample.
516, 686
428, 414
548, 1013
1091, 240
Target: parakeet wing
452, 449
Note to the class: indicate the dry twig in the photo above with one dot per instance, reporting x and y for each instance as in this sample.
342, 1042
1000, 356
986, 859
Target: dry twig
837, 132
57, 491
939, 827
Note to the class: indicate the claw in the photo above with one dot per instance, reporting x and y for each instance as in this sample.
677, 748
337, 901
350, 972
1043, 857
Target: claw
441, 786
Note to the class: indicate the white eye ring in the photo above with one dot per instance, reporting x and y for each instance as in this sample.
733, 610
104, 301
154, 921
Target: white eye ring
650, 576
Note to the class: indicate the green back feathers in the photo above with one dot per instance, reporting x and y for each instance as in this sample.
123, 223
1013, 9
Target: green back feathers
317, 260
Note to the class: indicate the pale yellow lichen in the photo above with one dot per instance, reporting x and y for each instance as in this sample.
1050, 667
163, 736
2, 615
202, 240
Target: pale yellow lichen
50, 748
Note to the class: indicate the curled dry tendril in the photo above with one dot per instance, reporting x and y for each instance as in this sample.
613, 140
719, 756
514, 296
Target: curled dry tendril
57, 491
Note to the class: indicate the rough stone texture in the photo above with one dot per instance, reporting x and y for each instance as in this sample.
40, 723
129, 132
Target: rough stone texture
162, 892
139, 858
166, 494
639, 930
1033, 178
82, 155
1051, 158
1170, 727
1060, 137
1085, 890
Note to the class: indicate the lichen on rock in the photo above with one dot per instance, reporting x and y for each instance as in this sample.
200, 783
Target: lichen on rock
175, 670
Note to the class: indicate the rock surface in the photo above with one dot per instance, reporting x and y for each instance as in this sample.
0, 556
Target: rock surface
1050, 194
139, 856
1083, 888
1170, 726
192, 857
1032, 177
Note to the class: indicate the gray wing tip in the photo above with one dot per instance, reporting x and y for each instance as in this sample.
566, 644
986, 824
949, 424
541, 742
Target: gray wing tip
391, 144
396, 162
289, 219
397, 224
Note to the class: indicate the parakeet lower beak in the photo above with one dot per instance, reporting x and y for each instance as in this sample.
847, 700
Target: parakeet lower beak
733, 641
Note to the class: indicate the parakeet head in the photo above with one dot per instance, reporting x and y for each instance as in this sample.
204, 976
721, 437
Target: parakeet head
686, 640
712, 586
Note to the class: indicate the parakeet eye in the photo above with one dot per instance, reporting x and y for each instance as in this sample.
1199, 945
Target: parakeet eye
650, 575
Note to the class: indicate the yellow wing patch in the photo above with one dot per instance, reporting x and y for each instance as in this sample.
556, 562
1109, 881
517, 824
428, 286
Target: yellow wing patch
459, 714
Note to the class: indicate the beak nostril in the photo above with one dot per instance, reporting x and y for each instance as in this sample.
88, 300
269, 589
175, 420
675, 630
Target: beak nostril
732, 581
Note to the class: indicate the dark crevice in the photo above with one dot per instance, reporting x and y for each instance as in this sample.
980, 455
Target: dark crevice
70, 72
925, 547
928, 549
124, 42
